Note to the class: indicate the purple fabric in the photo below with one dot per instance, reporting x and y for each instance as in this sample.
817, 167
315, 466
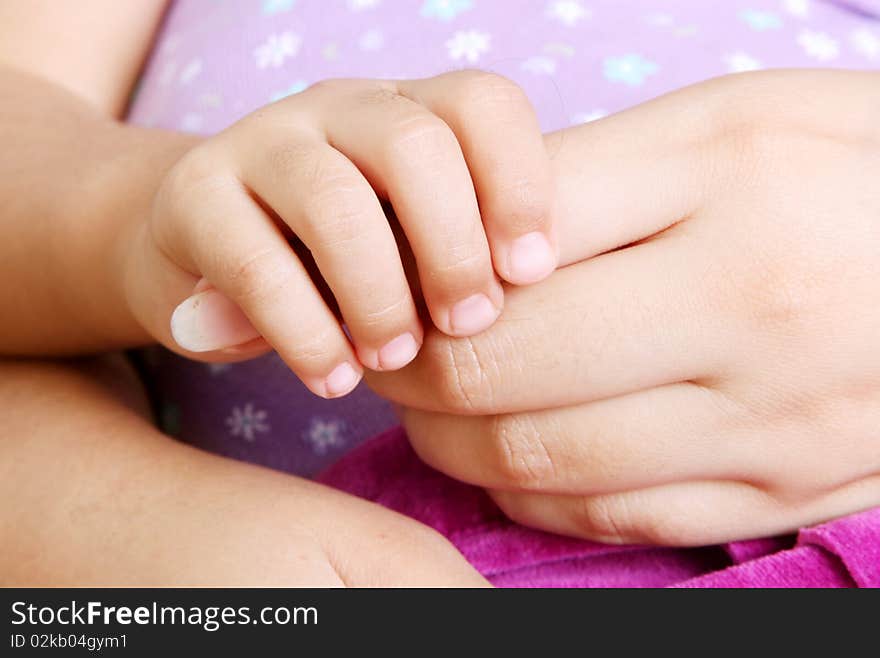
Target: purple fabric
217, 60
841, 553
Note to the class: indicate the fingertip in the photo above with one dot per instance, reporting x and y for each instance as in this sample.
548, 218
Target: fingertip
394, 355
341, 381
530, 258
472, 315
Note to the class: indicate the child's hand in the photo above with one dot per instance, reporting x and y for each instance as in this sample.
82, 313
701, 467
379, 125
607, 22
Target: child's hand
460, 158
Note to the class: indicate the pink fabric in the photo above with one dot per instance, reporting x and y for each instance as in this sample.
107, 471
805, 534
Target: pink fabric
842, 553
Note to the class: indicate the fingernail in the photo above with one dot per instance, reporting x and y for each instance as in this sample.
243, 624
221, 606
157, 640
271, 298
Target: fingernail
531, 258
472, 315
210, 321
397, 352
341, 380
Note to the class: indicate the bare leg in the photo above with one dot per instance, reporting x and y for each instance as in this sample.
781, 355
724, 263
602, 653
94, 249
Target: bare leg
93, 494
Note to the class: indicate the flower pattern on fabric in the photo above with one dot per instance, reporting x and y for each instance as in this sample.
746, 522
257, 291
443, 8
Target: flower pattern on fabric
540, 64
445, 10
362, 5
247, 422
798, 8
740, 62
568, 12
818, 45
325, 435
371, 40
468, 45
866, 43
276, 49
629, 69
761, 21
271, 7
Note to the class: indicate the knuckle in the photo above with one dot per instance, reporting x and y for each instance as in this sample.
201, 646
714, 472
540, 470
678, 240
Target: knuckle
191, 180
290, 157
456, 365
462, 270
489, 92
618, 519
313, 354
421, 136
380, 94
608, 519
256, 278
526, 204
520, 457
337, 220
193, 183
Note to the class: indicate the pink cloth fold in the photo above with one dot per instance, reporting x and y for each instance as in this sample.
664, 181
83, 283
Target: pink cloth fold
841, 553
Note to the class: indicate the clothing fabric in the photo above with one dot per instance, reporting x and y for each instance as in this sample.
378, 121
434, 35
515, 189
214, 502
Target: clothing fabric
842, 553
578, 60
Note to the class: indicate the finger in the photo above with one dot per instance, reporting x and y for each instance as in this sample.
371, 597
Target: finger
684, 514
220, 232
332, 209
663, 435
413, 159
631, 175
501, 139
632, 320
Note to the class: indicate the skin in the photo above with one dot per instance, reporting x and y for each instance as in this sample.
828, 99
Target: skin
94, 493
711, 371
96, 496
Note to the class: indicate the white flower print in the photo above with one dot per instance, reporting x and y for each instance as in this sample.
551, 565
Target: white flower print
276, 49
190, 72
799, 8
218, 368
564, 49
247, 422
167, 73
191, 122
568, 12
660, 19
866, 43
540, 64
169, 44
586, 117
271, 7
818, 45
210, 100
740, 62
361, 5
468, 44
325, 435
371, 40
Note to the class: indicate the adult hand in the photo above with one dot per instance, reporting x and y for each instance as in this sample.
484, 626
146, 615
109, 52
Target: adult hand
714, 374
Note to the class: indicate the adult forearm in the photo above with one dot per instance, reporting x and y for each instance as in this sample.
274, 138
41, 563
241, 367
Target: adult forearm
73, 182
